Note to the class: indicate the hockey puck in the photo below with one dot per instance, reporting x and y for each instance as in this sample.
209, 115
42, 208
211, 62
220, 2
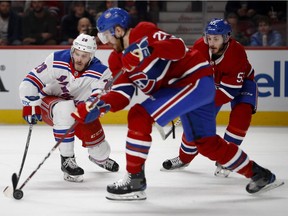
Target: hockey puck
18, 194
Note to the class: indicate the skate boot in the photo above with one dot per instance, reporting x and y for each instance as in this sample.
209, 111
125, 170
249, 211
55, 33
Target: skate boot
173, 164
72, 172
263, 180
221, 171
131, 187
109, 164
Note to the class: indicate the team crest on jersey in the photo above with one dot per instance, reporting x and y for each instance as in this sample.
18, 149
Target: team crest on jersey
143, 82
62, 78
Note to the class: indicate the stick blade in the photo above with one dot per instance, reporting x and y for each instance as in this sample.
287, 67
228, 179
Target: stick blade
8, 192
14, 181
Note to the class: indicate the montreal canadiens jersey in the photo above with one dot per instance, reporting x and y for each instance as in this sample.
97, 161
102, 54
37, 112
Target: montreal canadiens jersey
170, 65
231, 69
56, 77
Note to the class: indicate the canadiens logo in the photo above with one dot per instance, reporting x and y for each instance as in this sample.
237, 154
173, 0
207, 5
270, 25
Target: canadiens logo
143, 82
107, 15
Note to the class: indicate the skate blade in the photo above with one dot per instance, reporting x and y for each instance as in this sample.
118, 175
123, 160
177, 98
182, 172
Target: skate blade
71, 178
103, 165
222, 173
174, 169
269, 187
139, 195
8, 192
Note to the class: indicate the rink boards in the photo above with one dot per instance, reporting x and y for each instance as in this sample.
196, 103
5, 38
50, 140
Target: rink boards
271, 68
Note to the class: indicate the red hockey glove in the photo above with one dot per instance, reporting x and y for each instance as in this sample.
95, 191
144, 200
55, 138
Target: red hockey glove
85, 113
135, 54
31, 109
32, 114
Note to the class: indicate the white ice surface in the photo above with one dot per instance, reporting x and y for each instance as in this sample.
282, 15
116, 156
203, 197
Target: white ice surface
193, 191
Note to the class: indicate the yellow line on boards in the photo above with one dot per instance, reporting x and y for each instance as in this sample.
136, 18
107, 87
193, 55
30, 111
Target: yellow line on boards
261, 118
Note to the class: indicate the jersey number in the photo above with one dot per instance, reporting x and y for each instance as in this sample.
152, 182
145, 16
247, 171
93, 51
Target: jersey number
240, 77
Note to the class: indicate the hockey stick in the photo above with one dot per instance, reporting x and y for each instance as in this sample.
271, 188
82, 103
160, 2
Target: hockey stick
15, 178
165, 135
18, 193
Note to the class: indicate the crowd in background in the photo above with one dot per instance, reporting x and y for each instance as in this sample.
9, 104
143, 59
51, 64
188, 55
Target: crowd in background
257, 23
36, 22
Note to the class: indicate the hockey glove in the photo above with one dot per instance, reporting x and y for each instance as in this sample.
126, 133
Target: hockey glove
85, 113
31, 110
135, 54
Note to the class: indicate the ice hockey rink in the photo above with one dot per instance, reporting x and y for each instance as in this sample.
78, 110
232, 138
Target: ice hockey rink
193, 191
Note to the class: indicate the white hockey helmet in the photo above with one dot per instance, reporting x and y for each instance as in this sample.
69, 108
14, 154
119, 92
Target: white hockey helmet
85, 43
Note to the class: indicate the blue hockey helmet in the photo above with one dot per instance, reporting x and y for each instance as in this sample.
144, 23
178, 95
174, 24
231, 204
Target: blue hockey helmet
218, 27
111, 18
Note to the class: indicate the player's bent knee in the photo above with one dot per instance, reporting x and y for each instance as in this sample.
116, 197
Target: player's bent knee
62, 113
139, 120
91, 134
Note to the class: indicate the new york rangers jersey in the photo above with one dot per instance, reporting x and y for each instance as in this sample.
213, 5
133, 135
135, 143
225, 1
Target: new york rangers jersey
56, 76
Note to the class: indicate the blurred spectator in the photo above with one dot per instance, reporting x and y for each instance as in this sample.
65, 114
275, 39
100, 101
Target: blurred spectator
266, 36
84, 26
10, 25
251, 10
18, 7
69, 22
96, 7
137, 11
39, 26
244, 9
56, 8
277, 11
238, 35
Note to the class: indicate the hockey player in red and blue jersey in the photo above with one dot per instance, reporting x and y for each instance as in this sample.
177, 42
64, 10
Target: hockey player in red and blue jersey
53, 89
178, 82
234, 81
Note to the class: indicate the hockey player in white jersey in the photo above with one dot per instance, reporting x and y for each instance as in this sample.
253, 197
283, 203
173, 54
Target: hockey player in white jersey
53, 89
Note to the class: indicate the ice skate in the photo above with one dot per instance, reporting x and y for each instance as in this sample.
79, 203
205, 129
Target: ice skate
263, 180
173, 164
72, 172
109, 164
131, 187
221, 171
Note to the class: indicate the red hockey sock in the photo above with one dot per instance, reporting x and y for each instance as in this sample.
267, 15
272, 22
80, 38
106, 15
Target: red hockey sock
138, 138
187, 151
227, 154
240, 119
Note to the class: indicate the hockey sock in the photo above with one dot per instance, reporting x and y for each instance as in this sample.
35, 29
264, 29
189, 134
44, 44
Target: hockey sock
187, 151
138, 138
240, 119
227, 154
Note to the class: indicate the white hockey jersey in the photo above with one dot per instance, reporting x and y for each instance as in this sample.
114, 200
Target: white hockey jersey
54, 78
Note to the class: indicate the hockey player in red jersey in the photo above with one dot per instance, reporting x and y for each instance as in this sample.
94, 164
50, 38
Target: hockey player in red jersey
234, 81
179, 82
52, 90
